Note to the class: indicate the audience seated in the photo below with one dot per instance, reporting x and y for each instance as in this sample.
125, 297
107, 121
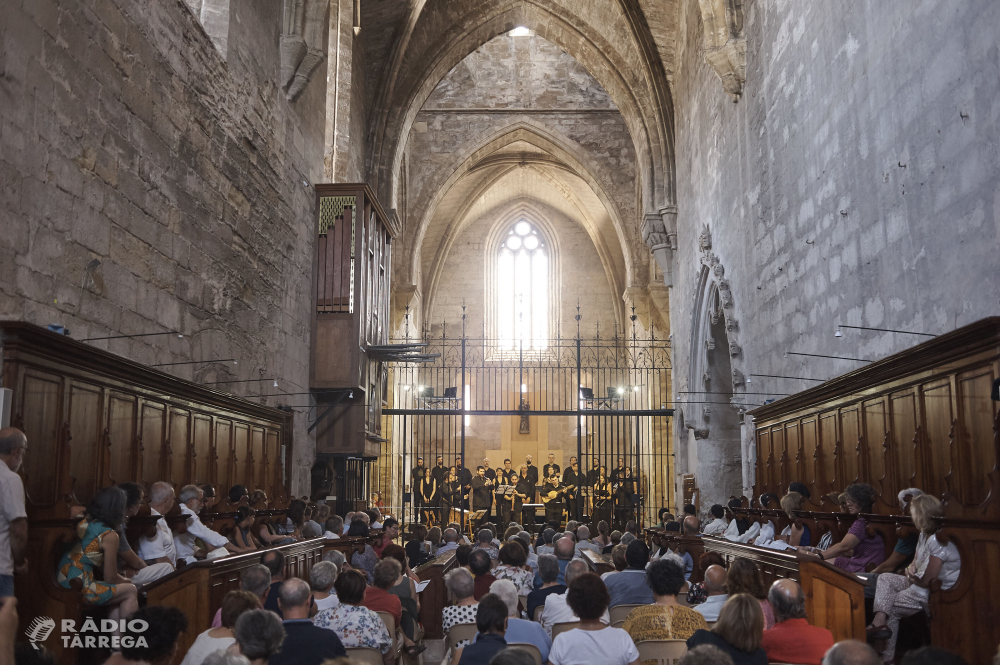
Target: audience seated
305, 643
718, 525
274, 560
629, 586
228, 658
321, 578
450, 541
857, 550
697, 593
234, 604
97, 548
547, 547
906, 546
594, 641
242, 536
484, 541
583, 533
159, 548
742, 523
259, 636
406, 590
795, 534
356, 625
129, 564
603, 538
738, 631
377, 596
480, 565
513, 567
665, 619
462, 553
390, 531
334, 527
706, 654
548, 570
524, 538
415, 552
337, 558
520, 630
617, 560
491, 620
190, 502
158, 646
744, 576
898, 596
557, 609
365, 560
460, 589
793, 640
565, 550
715, 586
255, 579
851, 652
616, 539
512, 655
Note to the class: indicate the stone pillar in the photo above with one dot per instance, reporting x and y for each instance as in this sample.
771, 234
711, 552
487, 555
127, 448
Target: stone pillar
659, 231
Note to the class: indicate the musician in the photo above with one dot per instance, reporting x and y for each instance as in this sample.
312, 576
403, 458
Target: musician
532, 471
417, 477
482, 492
464, 477
625, 489
552, 492
571, 478
440, 471
430, 496
593, 473
524, 492
602, 496
548, 468
492, 475
451, 495
618, 472
506, 476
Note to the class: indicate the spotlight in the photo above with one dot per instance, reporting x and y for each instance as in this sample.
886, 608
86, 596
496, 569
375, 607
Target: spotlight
621, 391
275, 383
524, 387
838, 333
406, 388
635, 389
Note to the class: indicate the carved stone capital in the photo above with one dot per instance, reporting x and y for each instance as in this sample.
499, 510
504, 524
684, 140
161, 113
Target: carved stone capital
725, 42
653, 231
659, 231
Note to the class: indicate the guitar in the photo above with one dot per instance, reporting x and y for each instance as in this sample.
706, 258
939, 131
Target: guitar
554, 494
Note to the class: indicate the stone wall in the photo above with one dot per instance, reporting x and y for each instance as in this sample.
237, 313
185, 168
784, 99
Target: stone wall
149, 184
855, 182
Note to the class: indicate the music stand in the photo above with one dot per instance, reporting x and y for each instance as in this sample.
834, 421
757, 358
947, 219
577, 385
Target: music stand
586, 393
451, 393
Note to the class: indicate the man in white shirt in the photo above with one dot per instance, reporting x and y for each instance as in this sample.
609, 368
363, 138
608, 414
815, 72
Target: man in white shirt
347, 522
450, 541
191, 501
718, 525
583, 533
160, 547
13, 518
715, 584
556, 610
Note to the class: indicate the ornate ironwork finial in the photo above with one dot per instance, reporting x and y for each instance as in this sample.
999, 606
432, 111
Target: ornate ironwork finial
463, 317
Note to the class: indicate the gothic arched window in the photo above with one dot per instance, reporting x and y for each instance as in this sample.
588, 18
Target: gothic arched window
522, 306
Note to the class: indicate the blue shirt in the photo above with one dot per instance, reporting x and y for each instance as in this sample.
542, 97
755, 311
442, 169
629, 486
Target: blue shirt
483, 649
310, 645
629, 587
520, 631
688, 566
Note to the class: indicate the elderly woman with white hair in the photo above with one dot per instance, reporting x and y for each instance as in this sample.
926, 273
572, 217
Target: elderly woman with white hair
520, 631
461, 588
321, 578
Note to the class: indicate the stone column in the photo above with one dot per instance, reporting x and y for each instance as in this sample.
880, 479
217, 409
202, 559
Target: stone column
659, 231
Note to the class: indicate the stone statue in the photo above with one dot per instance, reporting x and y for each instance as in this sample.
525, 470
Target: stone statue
525, 424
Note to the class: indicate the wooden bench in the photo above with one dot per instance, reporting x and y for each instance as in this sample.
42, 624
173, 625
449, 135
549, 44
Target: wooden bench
434, 598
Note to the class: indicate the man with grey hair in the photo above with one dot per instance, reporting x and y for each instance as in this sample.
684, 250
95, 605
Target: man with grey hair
583, 533
450, 541
337, 558
556, 610
159, 548
321, 578
525, 539
191, 500
13, 517
520, 631
255, 579
851, 652
547, 537
627, 538
793, 640
259, 635
548, 571
484, 541
334, 526
706, 654
306, 644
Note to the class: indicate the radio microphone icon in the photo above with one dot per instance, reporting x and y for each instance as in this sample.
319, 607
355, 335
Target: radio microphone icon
39, 630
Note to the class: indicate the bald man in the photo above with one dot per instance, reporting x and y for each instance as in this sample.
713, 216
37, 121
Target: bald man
13, 518
851, 652
793, 640
715, 584
312, 644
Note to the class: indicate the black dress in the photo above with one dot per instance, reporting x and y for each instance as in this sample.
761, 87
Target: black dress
602, 501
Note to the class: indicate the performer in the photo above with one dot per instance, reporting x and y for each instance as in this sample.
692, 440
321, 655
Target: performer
507, 476
547, 469
482, 493
552, 492
623, 496
571, 478
602, 497
464, 477
430, 496
451, 496
440, 471
591, 481
417, 477
492, 475
524, 492
532, 471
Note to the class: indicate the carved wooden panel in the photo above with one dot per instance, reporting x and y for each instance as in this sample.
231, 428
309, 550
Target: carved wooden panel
904, 429
765, 461
829, 439
121, 430
180, 436
778, 454
85, 430
809, 456
224, 453
975, 436
876, 428
257, 455
152, 428
241, 452
203, 451
849, 433
274, 464
41, 418
938, 417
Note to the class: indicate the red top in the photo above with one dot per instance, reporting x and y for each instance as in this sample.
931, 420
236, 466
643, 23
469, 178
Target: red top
380, 600
482, 586
796, 641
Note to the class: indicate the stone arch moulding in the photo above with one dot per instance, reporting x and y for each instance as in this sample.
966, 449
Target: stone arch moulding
715, 307
524, 129
641, 95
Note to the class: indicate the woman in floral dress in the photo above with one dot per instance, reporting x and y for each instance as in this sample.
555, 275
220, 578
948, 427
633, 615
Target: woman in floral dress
354, 624
97, 548
512, 567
